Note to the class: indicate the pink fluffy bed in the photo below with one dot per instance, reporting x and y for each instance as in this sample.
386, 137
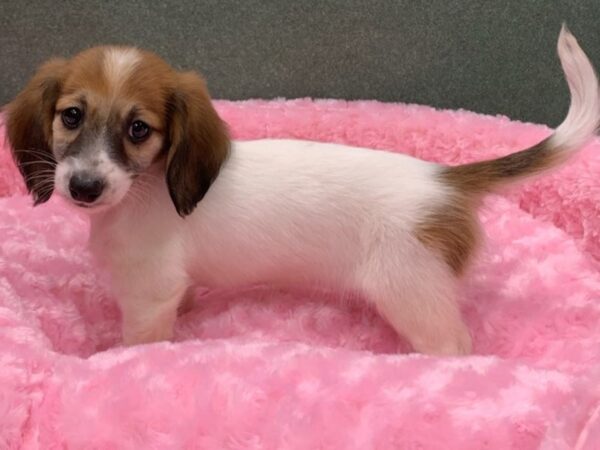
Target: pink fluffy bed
259, 368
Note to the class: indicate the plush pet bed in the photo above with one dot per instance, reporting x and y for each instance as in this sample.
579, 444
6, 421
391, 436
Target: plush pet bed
259, 368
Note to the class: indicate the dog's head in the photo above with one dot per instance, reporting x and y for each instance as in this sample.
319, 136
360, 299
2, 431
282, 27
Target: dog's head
88, 126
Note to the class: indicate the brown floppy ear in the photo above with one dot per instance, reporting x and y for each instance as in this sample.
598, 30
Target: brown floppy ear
198, 143
29, 128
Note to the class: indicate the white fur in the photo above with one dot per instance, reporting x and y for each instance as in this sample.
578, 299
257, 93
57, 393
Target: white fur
582, 120
119, 62
288, 212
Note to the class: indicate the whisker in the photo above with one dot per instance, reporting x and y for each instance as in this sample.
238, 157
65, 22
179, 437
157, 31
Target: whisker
34, 150
44, 171
142, 183
148, 182
44, 191
139, 192
38, 177
147, 177
145, 186
135, 197
46, 156
136, 200
29, 163
43, 184
42, 178
46, 184
140, 195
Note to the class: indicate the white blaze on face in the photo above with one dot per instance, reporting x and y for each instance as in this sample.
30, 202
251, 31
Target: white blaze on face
119, 63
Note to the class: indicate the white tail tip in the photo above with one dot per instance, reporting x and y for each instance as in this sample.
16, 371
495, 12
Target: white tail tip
583, 118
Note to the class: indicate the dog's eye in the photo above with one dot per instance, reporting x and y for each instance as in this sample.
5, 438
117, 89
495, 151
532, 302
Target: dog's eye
139, 131
71, 117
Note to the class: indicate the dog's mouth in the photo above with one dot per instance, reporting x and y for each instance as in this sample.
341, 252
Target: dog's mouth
82, 205
89, 207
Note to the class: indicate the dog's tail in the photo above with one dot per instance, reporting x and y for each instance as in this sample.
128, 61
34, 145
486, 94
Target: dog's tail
580, 125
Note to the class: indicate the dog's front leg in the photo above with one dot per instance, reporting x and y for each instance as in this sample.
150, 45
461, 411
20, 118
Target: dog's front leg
149, 311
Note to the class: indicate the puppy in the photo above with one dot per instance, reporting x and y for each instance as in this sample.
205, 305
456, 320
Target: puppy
173, 203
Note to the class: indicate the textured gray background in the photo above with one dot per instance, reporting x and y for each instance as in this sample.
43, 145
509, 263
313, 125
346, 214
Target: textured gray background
495, 57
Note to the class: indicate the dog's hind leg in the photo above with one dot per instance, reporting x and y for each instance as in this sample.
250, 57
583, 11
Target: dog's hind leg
416, 292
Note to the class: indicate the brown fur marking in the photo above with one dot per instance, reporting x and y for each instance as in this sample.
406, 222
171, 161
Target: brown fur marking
199, 143
451, 230
29, 128
481, 177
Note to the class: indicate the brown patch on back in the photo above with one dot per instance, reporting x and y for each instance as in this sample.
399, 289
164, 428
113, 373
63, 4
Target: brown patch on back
481, 177
452, 231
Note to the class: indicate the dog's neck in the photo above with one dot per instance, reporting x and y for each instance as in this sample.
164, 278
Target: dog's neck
146, 201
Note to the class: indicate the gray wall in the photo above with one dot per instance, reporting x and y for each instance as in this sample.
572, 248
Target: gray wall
495, 57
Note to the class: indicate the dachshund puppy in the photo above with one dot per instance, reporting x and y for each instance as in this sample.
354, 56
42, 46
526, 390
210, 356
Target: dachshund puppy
173, 203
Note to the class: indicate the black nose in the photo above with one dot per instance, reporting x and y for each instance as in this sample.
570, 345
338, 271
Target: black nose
85, 188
